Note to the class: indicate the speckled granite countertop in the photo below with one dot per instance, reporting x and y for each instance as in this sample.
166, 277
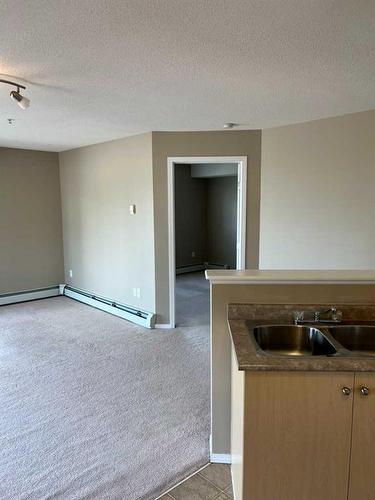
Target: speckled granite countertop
243, 318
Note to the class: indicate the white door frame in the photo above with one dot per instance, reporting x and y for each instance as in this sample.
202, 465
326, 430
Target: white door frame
241, 215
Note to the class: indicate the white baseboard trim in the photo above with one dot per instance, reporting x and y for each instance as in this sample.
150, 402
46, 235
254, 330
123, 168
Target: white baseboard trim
141, 318
166, 326
233, 487
26, 295
220, 458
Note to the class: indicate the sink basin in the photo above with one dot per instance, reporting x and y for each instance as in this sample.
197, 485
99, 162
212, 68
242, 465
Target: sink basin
358, 339
292, 340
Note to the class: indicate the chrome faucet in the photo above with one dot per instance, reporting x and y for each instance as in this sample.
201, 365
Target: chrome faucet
332, 310
316, 316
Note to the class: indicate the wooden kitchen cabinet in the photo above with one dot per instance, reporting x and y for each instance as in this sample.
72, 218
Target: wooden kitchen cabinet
303, 435
362, 463
297, 435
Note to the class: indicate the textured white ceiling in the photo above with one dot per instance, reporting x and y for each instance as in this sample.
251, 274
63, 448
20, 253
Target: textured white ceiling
103, 69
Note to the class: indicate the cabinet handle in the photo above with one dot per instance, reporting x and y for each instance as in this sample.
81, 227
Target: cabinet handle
364, 391
346, 391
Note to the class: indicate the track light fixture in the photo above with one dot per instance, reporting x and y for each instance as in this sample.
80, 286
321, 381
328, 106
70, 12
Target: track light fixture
23, 102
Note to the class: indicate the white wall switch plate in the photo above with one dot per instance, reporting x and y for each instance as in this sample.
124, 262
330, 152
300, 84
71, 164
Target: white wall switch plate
70, 273
132, 209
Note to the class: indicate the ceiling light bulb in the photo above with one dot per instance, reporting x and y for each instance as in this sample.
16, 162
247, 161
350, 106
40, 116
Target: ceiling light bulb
23, 102
229, 125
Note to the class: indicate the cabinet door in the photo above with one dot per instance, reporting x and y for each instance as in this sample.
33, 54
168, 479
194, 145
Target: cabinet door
297, 435
362, 465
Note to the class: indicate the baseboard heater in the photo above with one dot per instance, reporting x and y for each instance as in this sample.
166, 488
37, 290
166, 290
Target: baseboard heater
137, 316
216, 265
192, 268
27, 295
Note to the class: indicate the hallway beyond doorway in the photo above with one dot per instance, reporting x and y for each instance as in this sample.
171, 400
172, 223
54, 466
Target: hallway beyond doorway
192, 300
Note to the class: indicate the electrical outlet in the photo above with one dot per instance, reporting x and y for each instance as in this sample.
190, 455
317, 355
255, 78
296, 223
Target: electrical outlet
70, 273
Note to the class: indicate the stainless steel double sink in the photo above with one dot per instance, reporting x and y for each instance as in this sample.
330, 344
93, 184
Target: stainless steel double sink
301, 340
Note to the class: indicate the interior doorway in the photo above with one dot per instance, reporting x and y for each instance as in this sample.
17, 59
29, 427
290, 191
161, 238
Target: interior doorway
213, 242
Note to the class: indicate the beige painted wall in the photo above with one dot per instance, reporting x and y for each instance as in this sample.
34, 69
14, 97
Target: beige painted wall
228, 143
222, 220
110, 251
31, 253
190, 225
222, 295
317, 194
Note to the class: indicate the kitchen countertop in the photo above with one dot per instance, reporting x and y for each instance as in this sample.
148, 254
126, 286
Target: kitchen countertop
250, 357
282, 277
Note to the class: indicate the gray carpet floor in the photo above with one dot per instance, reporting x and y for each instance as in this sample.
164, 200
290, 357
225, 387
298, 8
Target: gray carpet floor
95, 407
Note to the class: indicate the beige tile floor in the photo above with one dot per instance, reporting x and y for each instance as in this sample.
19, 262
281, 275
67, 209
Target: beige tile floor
211, 483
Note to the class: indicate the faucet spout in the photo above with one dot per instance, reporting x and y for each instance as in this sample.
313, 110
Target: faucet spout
332, 310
